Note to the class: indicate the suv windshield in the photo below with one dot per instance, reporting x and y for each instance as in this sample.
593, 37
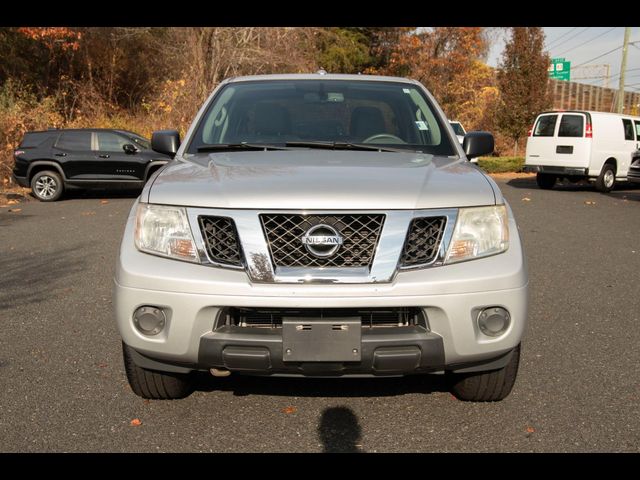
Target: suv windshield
339, 112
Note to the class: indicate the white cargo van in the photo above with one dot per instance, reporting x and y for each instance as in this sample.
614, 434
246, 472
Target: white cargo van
578, 145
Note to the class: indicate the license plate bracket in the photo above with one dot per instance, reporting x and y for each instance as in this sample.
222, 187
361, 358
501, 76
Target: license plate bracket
306, 339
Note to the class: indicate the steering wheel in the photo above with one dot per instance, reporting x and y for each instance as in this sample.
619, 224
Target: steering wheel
383, 138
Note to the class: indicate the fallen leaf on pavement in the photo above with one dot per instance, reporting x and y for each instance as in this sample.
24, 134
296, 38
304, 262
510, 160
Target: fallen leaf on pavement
530, 429
289, 410
86, 214
589, 202
526, 199
14, 210
104, 201
12, 202
136, 422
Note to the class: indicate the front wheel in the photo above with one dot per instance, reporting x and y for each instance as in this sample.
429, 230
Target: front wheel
47, 186
491, 386
153, 384
545, 181
607, 179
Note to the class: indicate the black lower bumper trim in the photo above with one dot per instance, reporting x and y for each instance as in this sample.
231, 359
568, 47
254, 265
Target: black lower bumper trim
384, 352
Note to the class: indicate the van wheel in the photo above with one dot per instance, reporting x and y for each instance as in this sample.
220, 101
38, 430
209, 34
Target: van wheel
154, 384
490, 386
546, 181
607, 179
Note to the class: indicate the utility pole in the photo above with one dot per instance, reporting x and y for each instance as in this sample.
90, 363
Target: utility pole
623, 67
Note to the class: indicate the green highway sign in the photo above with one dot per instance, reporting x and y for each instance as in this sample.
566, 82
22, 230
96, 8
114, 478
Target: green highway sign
560, 69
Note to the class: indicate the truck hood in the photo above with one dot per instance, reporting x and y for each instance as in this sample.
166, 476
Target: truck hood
321, 180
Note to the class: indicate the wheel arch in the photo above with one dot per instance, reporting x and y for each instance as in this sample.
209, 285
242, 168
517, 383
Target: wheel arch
611, 161
40, 165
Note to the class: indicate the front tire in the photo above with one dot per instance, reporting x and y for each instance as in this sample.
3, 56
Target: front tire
47, 186
153, 384
545, 181
607, 179
491, 386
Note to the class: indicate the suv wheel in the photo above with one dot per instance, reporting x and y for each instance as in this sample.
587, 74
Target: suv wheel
490, 386
153, 384
545, 181
607, 179
47, 186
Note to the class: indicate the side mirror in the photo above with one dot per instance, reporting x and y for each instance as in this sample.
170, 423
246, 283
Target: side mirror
129, 148
165, 141
476, 144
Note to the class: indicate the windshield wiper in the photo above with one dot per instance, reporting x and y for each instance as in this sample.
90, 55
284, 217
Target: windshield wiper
225, 147
347, 146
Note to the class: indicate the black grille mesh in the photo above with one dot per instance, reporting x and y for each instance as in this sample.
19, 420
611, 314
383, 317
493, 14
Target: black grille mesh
423, 240
221, 240
360, 233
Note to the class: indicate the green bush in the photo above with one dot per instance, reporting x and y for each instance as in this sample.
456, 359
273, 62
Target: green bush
501, 164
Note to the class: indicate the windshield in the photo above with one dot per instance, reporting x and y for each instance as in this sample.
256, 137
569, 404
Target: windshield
277, 112
457, 128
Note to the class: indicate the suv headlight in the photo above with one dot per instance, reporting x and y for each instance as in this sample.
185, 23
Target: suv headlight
164, 230
479, 232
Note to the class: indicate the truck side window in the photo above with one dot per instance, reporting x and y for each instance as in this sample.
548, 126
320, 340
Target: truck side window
546, 126
628, 129
571, 126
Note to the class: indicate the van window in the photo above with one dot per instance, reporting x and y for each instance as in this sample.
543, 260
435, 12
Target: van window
546, 126
571, 126
637, 124
628, 129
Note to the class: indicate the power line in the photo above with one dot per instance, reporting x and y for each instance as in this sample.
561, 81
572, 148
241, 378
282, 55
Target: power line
562, 36
606, 53
599, 56
572, 37
588, 41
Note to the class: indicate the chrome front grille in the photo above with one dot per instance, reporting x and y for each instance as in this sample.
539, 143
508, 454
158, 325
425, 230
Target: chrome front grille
221, 240
423, 240
360, 233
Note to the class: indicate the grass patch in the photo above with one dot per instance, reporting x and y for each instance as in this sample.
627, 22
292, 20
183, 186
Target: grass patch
501, 164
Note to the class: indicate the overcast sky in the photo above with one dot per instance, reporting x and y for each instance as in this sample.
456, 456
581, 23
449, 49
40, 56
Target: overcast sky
581, 45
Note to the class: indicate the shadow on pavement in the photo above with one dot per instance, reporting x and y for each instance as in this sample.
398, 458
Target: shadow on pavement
32, 278
340, 431
242, 385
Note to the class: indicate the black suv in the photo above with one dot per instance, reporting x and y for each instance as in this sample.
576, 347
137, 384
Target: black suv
52, 160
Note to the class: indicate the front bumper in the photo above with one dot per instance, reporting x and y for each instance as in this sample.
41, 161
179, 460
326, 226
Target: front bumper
633, 175
193, 297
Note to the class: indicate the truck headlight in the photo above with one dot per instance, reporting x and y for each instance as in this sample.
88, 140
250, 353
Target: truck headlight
479, 232
164, 230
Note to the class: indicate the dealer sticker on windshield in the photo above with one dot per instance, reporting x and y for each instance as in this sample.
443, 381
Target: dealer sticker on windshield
422, 125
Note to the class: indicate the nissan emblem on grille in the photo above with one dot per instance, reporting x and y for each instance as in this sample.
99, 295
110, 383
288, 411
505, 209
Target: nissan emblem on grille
322, 241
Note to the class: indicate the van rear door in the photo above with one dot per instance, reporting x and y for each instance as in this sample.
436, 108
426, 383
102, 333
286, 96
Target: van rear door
567, 146
541, 143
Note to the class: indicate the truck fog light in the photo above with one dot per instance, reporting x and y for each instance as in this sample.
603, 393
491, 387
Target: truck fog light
149, 320
493, 321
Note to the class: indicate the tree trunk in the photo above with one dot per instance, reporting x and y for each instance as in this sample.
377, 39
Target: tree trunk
515, 148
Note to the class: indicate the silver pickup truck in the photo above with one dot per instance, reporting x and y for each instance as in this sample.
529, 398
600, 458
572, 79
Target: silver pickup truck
321, 225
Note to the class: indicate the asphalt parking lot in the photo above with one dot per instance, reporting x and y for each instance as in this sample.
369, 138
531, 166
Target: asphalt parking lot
62, 384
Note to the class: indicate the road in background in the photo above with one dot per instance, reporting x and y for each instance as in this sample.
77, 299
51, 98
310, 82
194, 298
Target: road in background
62, 384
